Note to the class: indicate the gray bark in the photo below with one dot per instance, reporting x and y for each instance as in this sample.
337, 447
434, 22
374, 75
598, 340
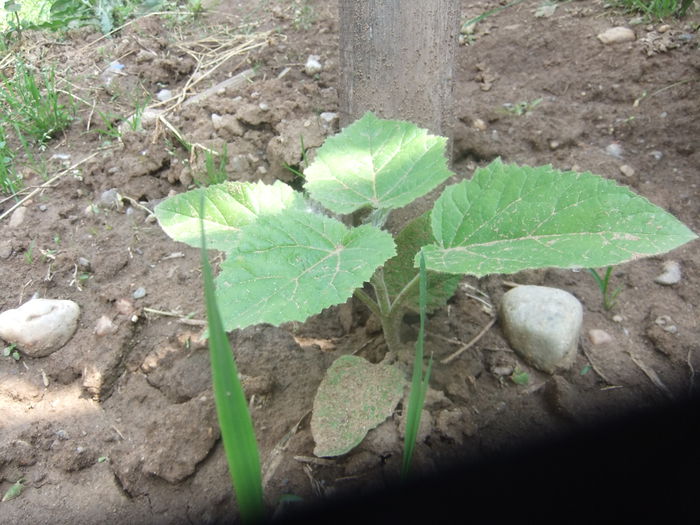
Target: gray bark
397, 60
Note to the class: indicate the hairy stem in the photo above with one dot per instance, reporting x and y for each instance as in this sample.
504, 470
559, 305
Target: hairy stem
390, 315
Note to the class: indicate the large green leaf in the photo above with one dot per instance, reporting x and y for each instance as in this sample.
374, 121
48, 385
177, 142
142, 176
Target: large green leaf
376, 163
509, 218
399, 270
228, 207
292, 265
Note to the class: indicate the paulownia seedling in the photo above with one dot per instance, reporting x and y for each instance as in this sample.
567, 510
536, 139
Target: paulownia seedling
288, 257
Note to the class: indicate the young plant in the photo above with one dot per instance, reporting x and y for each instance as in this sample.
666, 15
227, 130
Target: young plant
603, 282
215, 168
286, 260
11, 351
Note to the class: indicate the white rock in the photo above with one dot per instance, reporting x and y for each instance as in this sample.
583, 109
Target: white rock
627, 170
40, 326
599, 337
542, 325
313, 65
17, 217
105, 326
614, 149
329, 121
671, 275
164, 94
616, 35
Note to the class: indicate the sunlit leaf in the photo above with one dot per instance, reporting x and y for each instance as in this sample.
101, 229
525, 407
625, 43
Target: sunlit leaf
376, 163
509, 218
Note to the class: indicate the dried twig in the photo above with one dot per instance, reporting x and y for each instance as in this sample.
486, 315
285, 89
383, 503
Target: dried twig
651, 374
471, 343
593, 365
275, 457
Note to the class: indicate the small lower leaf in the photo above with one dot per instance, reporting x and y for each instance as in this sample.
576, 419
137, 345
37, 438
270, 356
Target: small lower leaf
14, 491
353, 398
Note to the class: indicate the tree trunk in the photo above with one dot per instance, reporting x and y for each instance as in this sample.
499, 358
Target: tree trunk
397, 60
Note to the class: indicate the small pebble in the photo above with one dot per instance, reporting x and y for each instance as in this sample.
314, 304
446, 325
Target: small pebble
627, 170
617, 318
164, 94
43, 207
616, 35
83, 263
139, 293
110, 198
663, 28
599, 337
554, 144
313, 65
17, 217
479, 124
125, 306
666, 323
614, 149
104, 326
658, 155
329, 120
671, 274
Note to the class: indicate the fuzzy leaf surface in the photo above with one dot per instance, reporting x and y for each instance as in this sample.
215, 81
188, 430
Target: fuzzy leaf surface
228, 207
509, 218
376, 163
354, 397
399, 270
292, 265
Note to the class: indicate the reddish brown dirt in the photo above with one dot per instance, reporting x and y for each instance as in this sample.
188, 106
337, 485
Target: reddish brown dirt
121, 427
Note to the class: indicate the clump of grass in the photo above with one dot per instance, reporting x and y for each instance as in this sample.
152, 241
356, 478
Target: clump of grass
10, 182
215, 168
655, 8
603, 282
31, 105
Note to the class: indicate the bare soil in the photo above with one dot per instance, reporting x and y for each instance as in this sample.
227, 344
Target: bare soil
119, 425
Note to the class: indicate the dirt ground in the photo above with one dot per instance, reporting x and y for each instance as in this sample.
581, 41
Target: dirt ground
119, 425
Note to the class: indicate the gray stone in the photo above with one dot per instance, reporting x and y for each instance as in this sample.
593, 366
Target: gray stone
671, 274
40, 326
542, 325
313, 65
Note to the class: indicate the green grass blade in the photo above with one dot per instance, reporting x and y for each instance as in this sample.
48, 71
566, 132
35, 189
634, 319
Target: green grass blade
236, 424
419, 383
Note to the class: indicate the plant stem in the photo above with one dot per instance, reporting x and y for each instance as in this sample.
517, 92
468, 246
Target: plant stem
390, 314
369, 302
